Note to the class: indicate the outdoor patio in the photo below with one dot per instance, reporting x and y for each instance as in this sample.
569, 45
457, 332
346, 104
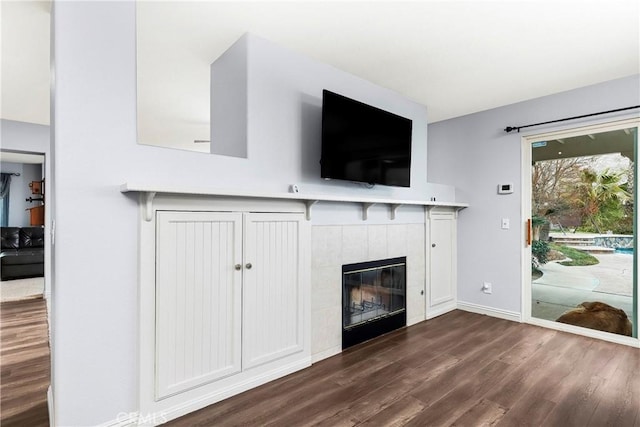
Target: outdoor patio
561, 288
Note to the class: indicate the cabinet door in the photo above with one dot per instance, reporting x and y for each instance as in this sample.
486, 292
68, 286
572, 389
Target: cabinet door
442, 258
198, 299
273, 302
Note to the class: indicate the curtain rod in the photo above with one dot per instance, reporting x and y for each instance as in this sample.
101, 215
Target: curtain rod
512, 128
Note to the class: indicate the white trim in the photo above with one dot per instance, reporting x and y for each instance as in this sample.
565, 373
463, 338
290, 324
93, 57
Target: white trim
315, 358
415, 320
184, 408
50, 406
525, 214
149, 192
199, 191
514, 316
439, 311
577, 129
124, 419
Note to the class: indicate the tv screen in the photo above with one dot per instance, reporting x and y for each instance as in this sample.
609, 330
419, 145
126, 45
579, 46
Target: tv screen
363, 143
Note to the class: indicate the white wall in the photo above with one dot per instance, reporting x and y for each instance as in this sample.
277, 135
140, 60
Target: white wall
285, 112
95, 300
474, 154
25, 138
277, 127
20, 191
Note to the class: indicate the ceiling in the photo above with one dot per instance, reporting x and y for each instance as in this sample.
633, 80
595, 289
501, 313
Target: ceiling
24, 61
615, 141
454, 57
11, 157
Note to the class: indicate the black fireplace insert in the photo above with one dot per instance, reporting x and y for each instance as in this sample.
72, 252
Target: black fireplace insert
373, 299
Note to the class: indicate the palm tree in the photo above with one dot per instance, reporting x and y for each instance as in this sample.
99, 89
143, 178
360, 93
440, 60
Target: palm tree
601, 197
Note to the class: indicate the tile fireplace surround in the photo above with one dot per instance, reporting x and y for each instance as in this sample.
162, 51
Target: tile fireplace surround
336, 245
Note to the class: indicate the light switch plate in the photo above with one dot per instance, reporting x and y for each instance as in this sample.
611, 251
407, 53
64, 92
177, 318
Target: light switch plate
505, 188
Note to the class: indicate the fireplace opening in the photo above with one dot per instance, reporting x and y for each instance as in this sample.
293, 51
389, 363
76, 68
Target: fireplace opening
373, 299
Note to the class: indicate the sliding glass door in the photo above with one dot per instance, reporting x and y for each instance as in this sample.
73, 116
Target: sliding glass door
583, 229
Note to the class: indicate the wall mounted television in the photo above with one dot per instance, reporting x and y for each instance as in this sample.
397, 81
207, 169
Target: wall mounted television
363, 143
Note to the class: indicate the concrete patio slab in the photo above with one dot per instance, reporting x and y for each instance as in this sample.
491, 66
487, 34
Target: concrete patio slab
562, 288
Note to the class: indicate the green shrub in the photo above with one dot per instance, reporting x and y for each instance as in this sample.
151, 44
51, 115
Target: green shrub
540, 250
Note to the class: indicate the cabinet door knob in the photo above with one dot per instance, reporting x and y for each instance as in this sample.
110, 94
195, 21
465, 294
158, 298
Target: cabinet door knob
433, 245
248, 266
238, 267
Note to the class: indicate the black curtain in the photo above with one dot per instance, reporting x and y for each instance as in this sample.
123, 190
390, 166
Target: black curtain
5, 185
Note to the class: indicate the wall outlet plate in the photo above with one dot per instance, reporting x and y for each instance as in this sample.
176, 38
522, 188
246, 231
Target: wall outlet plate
505, 188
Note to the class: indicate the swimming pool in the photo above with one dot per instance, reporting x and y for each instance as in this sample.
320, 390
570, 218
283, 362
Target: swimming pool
628, 251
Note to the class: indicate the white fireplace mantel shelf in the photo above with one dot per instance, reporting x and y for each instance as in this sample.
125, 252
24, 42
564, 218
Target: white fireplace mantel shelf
149, 192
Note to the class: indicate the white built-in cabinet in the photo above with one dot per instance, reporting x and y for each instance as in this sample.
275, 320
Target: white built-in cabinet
224, 299
441, 262
228, 294
272, 288
198, 299
225, 289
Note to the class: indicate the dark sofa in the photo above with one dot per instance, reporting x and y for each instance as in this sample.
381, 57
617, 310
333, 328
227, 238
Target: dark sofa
22, 252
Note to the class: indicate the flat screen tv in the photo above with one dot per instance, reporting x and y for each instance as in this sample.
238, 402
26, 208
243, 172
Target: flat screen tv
363, 143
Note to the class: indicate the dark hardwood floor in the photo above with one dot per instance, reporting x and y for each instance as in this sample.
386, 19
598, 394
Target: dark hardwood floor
460, 369
25, 367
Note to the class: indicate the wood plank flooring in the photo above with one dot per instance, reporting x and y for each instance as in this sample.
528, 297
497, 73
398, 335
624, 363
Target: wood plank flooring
460, 369
25, 367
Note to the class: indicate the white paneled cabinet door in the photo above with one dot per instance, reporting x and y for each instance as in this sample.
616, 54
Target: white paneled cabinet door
272, 294
442, 254
198, 299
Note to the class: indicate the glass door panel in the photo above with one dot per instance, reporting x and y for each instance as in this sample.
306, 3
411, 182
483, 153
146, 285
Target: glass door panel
584, 237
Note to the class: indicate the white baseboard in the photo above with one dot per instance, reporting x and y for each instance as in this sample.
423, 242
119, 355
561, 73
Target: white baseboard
157, 416
326, 354
415, 320
157, 413
52, 418
514, 316
125, 419
439, 311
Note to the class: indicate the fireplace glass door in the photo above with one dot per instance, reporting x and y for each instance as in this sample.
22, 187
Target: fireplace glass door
373, 293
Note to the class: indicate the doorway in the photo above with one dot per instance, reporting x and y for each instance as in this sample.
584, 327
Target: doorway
22, 203
579, 269
25, 285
